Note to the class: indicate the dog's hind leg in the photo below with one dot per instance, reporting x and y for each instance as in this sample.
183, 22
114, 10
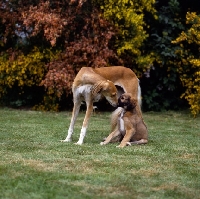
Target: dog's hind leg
142, 141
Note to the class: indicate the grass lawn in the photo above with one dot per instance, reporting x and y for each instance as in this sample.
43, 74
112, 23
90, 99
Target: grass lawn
34, 164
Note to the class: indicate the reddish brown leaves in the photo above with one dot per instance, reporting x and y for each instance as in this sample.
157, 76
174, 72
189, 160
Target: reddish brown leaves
59, 78
75, 27
43, 18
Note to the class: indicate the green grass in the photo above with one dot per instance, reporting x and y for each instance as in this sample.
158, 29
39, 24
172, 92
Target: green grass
35, 164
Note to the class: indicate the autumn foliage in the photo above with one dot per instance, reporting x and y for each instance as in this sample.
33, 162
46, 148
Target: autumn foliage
81, 36
85, 44
49, 21
45, 43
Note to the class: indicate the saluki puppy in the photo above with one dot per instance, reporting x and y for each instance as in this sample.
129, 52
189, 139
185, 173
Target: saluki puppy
127, 123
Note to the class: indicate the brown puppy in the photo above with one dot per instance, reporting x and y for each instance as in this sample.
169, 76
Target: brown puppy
127, 123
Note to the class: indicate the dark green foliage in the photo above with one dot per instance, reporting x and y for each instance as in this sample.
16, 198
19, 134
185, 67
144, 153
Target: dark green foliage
161, 84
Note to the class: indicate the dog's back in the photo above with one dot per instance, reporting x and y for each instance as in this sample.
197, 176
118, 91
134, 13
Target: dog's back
123, 77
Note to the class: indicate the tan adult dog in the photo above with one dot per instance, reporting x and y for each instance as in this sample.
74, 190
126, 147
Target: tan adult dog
90, 85
127, 124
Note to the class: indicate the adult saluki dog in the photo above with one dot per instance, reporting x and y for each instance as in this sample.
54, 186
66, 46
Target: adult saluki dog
90, 85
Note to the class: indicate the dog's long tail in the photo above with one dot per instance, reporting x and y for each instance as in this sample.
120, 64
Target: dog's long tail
139, 96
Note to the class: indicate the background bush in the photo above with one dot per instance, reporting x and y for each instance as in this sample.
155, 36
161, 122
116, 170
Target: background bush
189, 67
44, 44
21, 76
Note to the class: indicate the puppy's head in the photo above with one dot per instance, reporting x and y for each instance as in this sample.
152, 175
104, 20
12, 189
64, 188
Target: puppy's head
127, 102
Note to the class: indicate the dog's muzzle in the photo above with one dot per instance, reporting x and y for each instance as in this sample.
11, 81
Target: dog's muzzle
113, 104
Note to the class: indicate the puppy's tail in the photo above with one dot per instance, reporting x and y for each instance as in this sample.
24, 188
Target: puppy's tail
114, 117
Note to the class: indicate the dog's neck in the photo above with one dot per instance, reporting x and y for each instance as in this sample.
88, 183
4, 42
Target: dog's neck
121, 121
134, 110
122, 113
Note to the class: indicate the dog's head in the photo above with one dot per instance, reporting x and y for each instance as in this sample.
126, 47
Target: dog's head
127, 102
108, 90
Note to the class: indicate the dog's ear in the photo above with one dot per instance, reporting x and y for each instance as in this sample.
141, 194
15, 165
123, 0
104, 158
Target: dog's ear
96, 88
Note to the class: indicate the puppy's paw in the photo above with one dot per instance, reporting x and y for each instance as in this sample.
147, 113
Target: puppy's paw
102, 143
120, 146
128, 144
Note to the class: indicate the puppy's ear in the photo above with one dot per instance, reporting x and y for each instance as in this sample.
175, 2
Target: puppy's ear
133, 102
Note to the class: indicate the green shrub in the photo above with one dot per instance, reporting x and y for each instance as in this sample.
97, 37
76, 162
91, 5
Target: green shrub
189, 65
21, 75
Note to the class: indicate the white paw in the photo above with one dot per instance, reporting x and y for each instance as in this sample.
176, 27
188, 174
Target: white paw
78, 143
102, 143
66, 140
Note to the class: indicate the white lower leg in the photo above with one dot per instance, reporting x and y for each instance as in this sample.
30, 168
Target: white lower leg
69, 135
82, 135
73, 119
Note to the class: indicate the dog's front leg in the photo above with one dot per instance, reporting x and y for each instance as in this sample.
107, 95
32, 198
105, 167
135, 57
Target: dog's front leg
85, 122
111, 136
127, 137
